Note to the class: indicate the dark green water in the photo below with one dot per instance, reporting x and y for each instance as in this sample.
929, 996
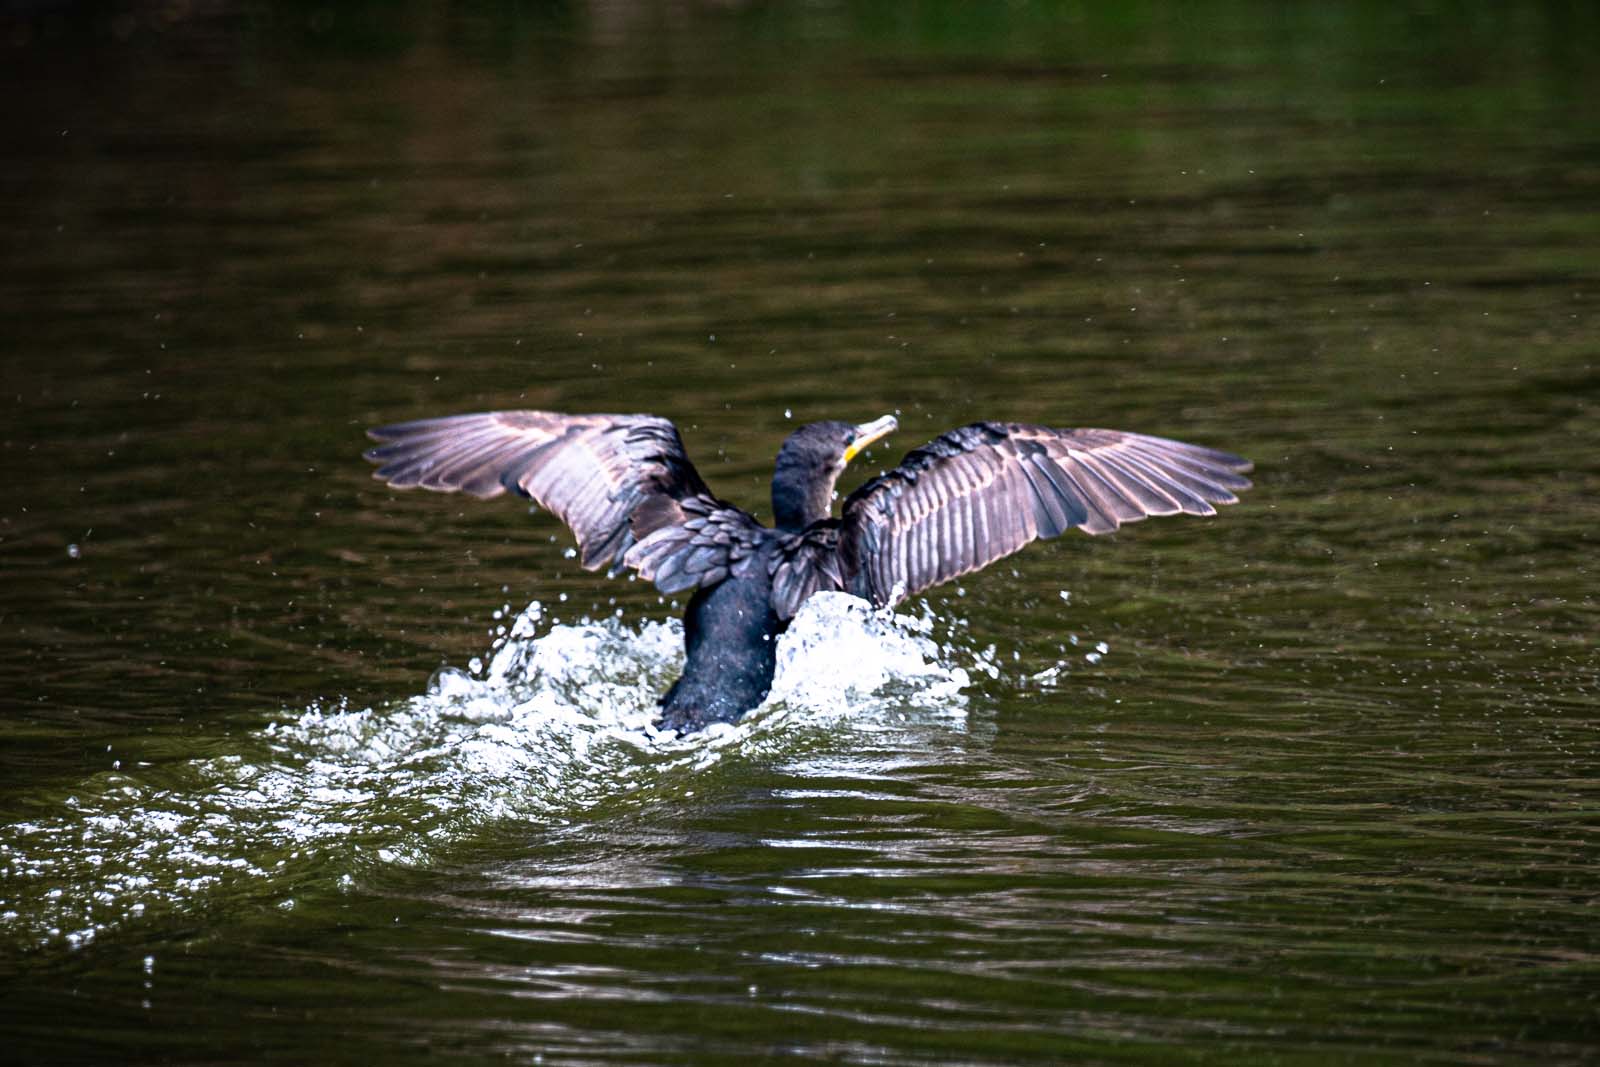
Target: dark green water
1330, 796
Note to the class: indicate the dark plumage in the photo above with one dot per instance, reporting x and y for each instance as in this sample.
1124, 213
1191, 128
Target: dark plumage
626, 488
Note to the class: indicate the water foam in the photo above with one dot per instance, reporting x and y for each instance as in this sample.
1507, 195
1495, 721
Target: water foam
558, 721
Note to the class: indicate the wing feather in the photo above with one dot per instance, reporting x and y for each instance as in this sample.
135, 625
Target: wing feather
1170, 484
1144, 496
620, 482
982, 492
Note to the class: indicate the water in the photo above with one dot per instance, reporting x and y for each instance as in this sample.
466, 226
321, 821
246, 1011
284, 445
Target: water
291, 768
557, 722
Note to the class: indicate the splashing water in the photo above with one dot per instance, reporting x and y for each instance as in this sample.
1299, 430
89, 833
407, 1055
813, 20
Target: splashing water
554, 724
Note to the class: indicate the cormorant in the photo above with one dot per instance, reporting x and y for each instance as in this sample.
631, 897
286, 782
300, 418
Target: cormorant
626, 488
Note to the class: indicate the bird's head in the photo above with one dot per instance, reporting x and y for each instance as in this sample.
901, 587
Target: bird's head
810, 462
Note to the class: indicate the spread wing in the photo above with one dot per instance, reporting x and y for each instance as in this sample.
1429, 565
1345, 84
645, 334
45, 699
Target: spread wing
622, 483
981, 492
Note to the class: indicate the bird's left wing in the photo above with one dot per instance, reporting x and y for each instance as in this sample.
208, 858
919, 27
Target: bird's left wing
622, 483
981, 492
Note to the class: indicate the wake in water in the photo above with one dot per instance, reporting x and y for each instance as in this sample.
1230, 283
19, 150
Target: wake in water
554, 723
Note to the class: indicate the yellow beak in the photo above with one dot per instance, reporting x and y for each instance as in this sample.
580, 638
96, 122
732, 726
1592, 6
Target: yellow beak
868, 434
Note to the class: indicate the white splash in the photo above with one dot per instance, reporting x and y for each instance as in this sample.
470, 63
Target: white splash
555, 723
841, 658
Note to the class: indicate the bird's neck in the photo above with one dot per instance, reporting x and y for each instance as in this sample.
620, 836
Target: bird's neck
800, 496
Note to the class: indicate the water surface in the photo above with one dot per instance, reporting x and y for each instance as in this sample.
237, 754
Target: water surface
291, 768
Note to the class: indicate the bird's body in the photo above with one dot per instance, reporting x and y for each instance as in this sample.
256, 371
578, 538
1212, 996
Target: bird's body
625, 486
730, 639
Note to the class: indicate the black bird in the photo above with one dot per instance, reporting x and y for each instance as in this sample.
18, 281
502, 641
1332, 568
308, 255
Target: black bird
625, 486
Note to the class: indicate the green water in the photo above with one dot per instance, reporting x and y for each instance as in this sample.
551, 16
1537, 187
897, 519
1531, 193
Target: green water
1329, 796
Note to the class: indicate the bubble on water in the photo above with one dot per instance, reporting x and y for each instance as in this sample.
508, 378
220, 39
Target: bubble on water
73, 551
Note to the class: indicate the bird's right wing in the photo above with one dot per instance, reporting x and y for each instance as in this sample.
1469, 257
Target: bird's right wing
622, 483
981, 492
